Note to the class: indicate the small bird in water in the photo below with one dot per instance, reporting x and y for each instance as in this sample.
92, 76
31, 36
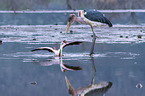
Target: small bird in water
59, 51
90, 17
33, 83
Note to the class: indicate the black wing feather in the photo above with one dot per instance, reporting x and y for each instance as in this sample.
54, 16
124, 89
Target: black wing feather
94, 15
73, 43
43, 48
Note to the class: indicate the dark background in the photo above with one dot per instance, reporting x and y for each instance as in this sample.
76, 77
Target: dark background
70, 4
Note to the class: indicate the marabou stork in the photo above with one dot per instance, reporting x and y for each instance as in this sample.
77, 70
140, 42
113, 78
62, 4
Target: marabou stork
59, 51
90, 17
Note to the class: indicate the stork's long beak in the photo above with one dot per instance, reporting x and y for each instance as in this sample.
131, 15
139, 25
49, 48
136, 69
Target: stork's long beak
68, 26
70, 89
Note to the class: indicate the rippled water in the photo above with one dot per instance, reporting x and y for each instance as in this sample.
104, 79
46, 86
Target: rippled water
119, 58
55, 33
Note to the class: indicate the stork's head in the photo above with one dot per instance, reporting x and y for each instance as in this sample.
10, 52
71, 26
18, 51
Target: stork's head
70, 20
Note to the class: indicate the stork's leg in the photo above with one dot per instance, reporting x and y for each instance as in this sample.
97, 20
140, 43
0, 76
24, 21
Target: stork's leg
93, 69
93, 41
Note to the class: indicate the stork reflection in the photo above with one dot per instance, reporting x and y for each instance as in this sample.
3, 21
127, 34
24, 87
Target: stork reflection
92, 89
59, 61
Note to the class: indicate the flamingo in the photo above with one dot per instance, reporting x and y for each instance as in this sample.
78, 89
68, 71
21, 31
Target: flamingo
59, 51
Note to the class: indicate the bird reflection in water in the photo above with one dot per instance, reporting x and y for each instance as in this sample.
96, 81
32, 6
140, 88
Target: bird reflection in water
59, 60
65, 67
90, 90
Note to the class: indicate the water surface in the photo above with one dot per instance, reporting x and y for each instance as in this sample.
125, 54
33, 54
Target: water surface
119, 58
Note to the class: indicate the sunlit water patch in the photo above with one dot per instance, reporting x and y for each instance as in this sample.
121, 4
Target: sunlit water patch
122, 55
36, 56
67, 56
29, 54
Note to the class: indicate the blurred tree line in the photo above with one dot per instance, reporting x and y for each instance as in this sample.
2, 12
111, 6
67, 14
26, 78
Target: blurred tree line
70, 4
34, 19
106, 4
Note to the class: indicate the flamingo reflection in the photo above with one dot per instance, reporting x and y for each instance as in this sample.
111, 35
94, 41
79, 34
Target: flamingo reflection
92, 89
59, 60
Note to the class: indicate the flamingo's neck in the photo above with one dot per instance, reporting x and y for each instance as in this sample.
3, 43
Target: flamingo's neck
60, 50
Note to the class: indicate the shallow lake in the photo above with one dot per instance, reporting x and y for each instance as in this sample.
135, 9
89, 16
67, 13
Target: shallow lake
119, 59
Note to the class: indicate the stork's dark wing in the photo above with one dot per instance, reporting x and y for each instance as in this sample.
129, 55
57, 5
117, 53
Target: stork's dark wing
44, 48
95, 15
97, 89
72, 43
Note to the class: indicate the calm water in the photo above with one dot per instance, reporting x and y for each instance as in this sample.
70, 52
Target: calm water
119, 58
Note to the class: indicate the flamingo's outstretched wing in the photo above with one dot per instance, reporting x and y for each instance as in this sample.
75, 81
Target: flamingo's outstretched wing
72, 43
44, 48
